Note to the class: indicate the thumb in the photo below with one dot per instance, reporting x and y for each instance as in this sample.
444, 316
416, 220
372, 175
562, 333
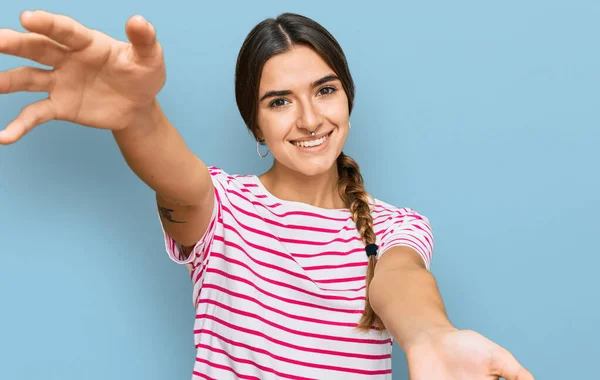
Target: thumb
505, 365
143, 38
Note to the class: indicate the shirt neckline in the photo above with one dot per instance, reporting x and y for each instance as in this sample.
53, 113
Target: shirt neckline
344, 212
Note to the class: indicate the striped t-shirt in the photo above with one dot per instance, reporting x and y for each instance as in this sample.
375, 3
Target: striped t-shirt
279, 286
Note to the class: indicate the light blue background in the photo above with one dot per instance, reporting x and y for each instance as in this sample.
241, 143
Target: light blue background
484, 116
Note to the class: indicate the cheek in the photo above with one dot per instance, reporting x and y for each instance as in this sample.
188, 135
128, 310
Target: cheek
275, 125
336, 109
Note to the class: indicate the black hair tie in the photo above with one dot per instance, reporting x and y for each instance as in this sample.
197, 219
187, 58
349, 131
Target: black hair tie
371, 249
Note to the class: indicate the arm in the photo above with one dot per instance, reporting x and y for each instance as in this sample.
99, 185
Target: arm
157, 154
100, 82
406, 297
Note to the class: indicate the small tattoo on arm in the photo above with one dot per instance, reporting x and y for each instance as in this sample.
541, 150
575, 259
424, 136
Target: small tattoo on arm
166, 213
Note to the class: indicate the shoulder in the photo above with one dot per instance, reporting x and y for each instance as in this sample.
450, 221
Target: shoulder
227, 179
394, 222
403, 226
244, 186
385, 211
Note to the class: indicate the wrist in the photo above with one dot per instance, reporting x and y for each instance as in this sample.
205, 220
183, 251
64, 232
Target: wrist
140, 121
143, 115
424, 336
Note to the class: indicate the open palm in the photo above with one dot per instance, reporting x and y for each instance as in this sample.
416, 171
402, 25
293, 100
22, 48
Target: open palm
463, 355
95, 80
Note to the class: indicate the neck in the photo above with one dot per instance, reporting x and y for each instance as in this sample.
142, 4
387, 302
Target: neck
318, 190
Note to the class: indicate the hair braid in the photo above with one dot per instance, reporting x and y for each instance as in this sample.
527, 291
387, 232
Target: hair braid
352, 191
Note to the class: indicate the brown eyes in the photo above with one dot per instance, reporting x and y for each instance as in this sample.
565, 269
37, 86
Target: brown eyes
280, 102
277, 103
327, 90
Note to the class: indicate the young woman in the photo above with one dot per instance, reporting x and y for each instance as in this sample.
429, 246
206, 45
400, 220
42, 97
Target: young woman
297, 273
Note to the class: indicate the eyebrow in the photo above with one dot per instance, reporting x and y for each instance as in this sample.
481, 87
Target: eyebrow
325, 79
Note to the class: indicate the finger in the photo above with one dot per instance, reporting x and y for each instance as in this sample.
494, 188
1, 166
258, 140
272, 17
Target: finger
143, 37
30, 117
59, 28
506, 366
32, 46
25, 79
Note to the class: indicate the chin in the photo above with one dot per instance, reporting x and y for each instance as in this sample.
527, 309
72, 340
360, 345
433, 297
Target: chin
311, 171
315, 165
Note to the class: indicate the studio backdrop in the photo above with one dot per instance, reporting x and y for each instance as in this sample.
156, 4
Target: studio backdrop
483, 116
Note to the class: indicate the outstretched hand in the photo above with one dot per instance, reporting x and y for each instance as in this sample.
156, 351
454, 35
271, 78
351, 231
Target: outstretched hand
462, 355
95, 80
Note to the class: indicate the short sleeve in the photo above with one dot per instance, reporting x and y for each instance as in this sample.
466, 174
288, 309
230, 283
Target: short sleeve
199, 252
409, 228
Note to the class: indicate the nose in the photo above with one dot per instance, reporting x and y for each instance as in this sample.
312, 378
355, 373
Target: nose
309, 119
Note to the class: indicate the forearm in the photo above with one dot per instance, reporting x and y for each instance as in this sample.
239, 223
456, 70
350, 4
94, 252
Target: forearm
157, 154
408, 302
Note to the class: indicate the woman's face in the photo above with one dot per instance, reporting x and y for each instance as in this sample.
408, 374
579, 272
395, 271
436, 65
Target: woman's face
300, 93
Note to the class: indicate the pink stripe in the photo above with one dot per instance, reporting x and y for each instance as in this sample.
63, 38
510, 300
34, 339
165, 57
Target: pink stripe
326, 253
409, 243
252, 245
384, 219
282, 284
253, 363
380, 220
278, 311
418, 225
226, 368
287, 240
378, 209
427, 230
196, 373
430, 244
199, 274
410, 237
280, 269
172, 248
342, 266
291, 256
200, 253
298, 227
387, 233
287, 300
272, 266
400, 211
227, 191
427, 235
301, 363
202, 263
293, 241
396, 224
289, 226
340, 280
302, 213
282, 328
261, 196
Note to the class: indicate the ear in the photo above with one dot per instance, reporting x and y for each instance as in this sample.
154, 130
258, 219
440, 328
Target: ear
258, 136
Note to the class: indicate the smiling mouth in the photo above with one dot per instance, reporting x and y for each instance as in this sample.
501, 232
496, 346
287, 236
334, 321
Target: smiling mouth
312, 143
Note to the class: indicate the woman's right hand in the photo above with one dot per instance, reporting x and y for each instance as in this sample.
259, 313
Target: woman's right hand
96, 81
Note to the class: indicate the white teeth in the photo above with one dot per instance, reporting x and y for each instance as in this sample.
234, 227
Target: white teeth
311, 143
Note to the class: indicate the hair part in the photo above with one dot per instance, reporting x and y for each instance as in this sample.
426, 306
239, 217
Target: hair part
277, 36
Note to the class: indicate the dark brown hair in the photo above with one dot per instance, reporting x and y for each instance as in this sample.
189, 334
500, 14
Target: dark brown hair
276, 36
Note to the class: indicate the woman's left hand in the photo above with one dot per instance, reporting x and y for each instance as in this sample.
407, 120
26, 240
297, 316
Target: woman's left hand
452, 354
